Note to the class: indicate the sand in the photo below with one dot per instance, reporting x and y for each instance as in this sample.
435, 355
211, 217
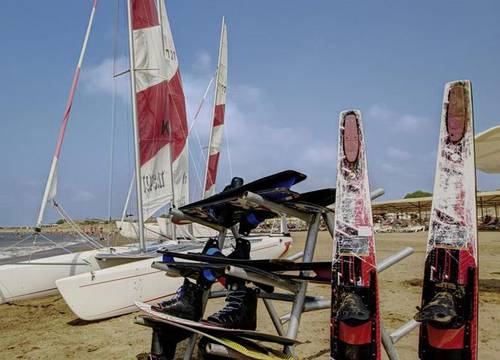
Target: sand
47, 329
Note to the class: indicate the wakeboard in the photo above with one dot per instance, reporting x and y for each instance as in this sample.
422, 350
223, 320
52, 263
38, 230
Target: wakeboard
449, 308
355, 317
228, 208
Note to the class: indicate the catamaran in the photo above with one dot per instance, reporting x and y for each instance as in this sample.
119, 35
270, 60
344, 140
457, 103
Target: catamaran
159, 102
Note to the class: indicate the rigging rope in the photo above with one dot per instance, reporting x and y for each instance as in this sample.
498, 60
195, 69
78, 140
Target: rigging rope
74, 226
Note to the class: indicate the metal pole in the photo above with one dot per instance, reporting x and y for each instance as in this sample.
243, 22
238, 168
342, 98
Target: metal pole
395, 258
274, 316
298, 304
313, 305
138, 183
377, 193
330, 223
404, 330
388, 345
295, 256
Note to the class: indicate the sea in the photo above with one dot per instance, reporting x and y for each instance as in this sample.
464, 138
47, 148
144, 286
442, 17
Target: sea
18, 246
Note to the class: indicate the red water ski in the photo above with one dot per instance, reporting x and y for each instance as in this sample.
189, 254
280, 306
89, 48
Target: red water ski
449, 307
355, 318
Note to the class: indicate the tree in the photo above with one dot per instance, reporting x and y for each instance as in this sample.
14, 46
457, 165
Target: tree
417, 194
60, 221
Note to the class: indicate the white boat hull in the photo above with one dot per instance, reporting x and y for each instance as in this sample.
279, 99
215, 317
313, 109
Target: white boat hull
113, 291
36, 278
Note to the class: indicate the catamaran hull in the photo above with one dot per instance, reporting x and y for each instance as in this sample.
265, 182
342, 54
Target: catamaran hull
30, 280
36, 278
112, 292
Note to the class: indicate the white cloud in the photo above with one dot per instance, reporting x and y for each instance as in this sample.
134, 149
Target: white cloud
82, 196
320, 154
390, 168
99, 78
410, 122
203, 61
398, 154
380, 112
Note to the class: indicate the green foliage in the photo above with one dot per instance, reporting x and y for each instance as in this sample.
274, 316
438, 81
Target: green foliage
417, 194
60, 221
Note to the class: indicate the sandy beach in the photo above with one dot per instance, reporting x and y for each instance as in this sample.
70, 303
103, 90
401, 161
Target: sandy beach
47, 329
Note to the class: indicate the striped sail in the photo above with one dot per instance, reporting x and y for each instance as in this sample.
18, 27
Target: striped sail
218, 118
161, 109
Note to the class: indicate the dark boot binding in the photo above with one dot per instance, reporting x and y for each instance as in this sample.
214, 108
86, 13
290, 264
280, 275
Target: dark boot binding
352, 309
186, 304
211, 248
240, 311
241, 250
441, 310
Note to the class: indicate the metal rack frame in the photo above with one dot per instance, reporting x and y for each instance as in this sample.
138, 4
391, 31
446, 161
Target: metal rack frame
300, 301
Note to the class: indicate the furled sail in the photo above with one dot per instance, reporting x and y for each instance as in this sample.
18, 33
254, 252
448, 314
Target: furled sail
217, 130
51, 185
161, 109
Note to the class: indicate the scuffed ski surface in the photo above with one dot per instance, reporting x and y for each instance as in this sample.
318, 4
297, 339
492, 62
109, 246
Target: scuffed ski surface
453, 214
353, 214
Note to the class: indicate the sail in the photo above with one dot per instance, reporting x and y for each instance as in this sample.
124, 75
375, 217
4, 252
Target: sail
51, 185
217, 130
161, 109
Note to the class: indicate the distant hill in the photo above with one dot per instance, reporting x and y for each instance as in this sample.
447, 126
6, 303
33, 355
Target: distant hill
417, 194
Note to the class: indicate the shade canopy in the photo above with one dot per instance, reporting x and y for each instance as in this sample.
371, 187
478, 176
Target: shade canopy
423, 204
488, 150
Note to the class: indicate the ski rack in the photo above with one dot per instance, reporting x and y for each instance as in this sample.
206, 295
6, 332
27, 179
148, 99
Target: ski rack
300, 301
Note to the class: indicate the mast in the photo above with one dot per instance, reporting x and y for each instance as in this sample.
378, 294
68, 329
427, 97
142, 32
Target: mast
216, 130
51, 185
138, 183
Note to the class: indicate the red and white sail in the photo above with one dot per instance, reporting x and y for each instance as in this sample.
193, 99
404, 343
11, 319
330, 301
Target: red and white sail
161, 109
217, 130
51, 185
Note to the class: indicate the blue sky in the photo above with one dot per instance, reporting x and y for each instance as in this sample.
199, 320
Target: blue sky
293, 66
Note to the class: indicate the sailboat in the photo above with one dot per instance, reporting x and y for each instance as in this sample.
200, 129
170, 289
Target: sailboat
163, 170
112, 291
35, 278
